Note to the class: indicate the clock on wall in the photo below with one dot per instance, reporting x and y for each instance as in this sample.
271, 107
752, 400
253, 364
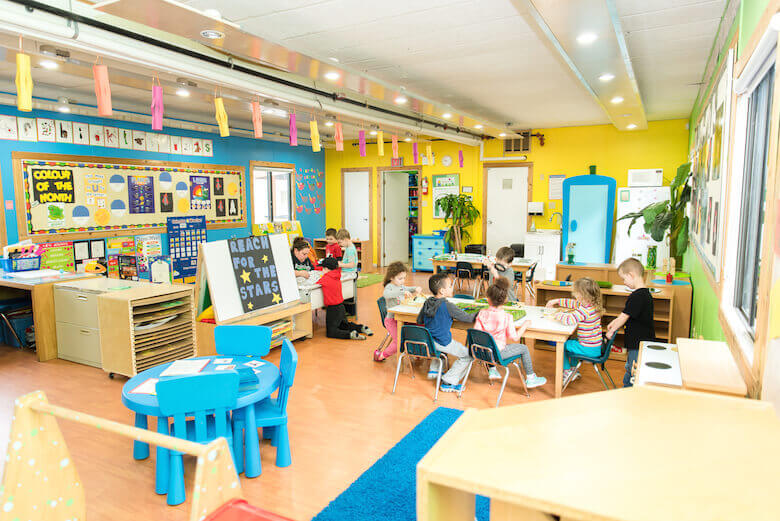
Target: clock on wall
446, 160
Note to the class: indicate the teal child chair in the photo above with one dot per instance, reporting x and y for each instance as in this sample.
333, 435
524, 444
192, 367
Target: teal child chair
416, 342
382, 305
208, 398
597, 361
484, 350
241, 340
269, 414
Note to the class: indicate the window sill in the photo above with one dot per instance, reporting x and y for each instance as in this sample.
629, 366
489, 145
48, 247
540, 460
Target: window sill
737, 329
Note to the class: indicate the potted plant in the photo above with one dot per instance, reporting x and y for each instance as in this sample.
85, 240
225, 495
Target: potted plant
667, 218
460, 214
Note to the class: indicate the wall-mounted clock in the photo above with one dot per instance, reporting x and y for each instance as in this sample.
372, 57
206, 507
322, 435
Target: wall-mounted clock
446, 160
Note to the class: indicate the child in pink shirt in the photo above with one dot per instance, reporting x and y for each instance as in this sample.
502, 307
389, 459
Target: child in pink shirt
501, 325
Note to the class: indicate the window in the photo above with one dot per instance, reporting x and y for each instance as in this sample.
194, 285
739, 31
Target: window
271, 195
753, 195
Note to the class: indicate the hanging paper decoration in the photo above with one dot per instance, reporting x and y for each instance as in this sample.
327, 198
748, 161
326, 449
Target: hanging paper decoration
102, 89
314, 132
257, 119
339, 137
362, 141
24, 83
429, 153
460, 158
222, 117
293, 130
415, 155
395, 146
157, 107
380, 143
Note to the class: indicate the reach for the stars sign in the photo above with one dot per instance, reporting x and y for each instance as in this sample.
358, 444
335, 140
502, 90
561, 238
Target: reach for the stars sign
249, 274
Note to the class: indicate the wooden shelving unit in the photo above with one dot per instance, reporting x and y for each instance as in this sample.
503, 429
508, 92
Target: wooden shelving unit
414, 207
614, 301
128, 345
365, 256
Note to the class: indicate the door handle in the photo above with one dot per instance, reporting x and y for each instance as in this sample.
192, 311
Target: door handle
81, 297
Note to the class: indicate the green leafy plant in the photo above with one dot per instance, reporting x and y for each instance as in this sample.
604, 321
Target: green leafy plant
460, 214
667, 218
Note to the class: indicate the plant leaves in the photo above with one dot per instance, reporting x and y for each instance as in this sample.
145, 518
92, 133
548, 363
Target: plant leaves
661, 223
682, 238
650, 212
683, 171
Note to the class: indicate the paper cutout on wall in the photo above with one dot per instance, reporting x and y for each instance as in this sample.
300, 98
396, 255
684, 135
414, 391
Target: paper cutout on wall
24, 83
257, 119
157, 107
222, 117
102, 89
339, 137
395, 146
380, 143
293, 130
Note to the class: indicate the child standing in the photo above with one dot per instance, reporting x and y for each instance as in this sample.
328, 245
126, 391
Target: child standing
349, 261
502, 268
336, 322
501, 325
437, 314
586, 316
395, 277
332, 248
300, 257
637, 316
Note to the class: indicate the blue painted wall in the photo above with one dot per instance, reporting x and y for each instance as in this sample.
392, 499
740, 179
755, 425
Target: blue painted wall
236, 151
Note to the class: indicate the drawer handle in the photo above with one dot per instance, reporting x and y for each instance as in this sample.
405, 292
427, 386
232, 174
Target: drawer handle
85, 331
81, 297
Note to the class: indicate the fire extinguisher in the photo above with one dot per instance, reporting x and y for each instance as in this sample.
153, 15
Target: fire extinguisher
425, 186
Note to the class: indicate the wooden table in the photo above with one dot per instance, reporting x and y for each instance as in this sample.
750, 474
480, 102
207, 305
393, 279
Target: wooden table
478, 261
42, 293
635, 454
709, 366
541, 328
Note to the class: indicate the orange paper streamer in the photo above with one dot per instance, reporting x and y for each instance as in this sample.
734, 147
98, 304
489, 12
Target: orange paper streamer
102, 89
257, 119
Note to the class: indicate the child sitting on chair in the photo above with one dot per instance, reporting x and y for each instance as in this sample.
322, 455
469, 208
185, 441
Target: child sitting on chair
501, 325
502, 268
395, 290
336, 324
586, 316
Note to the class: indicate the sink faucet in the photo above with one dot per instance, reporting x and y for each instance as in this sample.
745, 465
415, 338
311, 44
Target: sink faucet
559, 214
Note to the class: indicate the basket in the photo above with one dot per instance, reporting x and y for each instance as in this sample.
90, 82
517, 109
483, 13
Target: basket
21, 264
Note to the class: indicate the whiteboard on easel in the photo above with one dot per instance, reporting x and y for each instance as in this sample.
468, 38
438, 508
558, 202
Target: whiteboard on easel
249, 274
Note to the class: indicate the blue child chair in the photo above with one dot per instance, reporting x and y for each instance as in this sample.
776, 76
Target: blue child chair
208, 398
382, 305
269, 414
416, 342
484, 350
241, 340
601, 360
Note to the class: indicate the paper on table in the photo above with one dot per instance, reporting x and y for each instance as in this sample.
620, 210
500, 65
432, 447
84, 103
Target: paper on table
218, 361
34, 274
225, 367
184, 367
146, 387
254, 363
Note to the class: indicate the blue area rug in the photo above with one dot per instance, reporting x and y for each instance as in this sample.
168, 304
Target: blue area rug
388, 490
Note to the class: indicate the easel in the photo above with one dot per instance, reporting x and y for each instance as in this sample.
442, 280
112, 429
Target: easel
41, 481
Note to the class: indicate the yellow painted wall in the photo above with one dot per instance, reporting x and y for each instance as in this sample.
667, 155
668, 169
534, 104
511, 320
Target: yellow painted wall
567, 151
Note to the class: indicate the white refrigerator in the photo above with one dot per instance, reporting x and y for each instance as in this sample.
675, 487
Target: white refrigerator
637, 243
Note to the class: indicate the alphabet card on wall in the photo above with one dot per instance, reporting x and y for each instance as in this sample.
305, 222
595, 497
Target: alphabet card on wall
8, 128
80, 133
111, 137
96, 135
28, 129
125, 138
64, 132
46, 130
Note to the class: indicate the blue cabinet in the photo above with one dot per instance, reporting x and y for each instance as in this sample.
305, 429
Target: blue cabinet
424, 247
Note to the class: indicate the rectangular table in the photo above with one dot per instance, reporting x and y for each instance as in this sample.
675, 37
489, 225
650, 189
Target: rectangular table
42, 293
478, 261
312, 292
541, 328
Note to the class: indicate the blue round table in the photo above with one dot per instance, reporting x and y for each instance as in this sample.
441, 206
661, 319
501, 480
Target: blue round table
145, 405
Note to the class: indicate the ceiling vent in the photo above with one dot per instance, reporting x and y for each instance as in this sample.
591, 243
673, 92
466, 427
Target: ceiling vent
519, 144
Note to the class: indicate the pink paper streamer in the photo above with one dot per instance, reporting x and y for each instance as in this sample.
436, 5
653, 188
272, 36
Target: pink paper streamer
415, 156
293, 131
395, 146
362, 141
158, 109
460, 158
102, 89
339, 137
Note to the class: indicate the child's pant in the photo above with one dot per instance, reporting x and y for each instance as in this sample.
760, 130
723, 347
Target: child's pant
458, 370
633, 354
525, 355
392, 327
336, 325
574, 347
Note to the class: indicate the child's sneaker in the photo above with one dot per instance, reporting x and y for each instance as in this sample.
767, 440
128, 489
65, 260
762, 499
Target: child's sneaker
451, 388
354, 335
535, 381
433, 370
493, 373
367, 331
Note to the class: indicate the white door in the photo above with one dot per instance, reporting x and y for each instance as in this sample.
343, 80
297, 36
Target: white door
395, 218
507, 206
357, 188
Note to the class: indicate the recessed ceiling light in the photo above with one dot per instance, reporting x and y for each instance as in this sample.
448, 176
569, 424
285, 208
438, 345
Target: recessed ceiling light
332, 75
626, 115
616, 100
408, 139
184, 93
328, 123
212, 34
503, 134
64, 109
477, 126
631, 126
587, 38
213, 13
400, 99
334, 59
373, 132
48, 64
446, 115
607, 76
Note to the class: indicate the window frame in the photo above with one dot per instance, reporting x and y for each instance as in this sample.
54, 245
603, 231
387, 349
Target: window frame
271, 168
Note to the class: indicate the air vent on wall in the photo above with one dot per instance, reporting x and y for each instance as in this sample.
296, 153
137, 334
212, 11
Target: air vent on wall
519, 144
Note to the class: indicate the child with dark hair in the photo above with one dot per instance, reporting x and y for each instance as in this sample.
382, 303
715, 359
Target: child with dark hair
336, 324
501, 325
502, 268
332, 248
395, 277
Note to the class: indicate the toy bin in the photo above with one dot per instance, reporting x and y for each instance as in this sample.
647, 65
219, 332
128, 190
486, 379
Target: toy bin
21, 322
20, 264
240, 510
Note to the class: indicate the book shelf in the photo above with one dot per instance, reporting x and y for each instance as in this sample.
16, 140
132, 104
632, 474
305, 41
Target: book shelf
414, 207
365, 258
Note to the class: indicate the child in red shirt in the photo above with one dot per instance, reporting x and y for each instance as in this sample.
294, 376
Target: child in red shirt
336, 324
332, 249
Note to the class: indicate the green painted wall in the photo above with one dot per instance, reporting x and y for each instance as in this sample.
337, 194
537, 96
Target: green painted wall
750, 12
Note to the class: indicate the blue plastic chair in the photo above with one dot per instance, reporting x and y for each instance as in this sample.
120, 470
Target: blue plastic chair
269, 414
382, 305
601, 360
484, 350
463, 296
241, 340
416, 342
208, 398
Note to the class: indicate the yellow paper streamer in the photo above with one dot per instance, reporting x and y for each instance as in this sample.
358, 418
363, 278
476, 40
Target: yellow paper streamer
429, 154
24, 83
380, 143
222, 117
314, 132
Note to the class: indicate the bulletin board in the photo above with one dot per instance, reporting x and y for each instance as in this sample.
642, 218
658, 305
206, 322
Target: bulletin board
79, 196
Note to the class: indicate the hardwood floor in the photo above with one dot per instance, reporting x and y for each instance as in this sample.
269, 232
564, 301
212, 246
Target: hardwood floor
342, 419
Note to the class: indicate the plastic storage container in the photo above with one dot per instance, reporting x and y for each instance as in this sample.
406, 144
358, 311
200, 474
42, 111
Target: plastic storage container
21, 322
240, 510
20, 264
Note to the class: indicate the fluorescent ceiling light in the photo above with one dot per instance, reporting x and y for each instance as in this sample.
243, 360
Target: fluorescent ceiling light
373, 132
446, 115
616, 100
212, 34
328, 123
587, 38
334, 59
184, 93
408, 139
478, 126
332, 75
400, 99
503, 134
48, 64
631, 126
64, 109
213, 13
607, 76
